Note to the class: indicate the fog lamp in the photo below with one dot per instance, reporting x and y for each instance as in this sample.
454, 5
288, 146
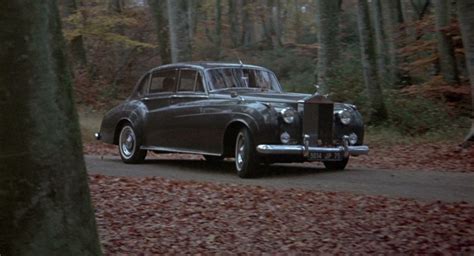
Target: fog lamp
285, 138
353, 138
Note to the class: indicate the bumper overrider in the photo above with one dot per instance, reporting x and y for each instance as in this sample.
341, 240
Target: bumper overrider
305, 150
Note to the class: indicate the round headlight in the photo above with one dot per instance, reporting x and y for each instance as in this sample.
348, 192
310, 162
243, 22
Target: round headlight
345, 117
288, 115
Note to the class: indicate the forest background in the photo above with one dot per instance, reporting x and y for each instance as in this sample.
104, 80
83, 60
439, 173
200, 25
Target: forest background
402, 62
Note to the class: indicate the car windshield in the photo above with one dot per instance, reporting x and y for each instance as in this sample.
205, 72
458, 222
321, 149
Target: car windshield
225, 78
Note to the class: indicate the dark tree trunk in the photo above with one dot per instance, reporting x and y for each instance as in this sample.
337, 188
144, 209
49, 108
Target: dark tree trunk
368, 54
76, 45
447, 59
44, 195
328, 31
466, 20
179, 34
380, 39
116, 6
159, 12
392, 21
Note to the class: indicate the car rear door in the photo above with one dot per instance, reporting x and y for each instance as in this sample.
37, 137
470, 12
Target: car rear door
158, 102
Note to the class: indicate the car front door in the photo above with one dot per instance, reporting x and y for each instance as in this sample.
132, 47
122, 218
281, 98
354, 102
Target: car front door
186, 107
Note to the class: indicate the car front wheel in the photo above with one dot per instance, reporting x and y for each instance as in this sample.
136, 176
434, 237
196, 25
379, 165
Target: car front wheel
336, 165
129, 146
246, 160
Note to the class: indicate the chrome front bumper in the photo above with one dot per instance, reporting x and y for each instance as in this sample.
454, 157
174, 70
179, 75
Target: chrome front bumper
305, 150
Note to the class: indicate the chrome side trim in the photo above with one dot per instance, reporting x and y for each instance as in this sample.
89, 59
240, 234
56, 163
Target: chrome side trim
178, 150
304, 150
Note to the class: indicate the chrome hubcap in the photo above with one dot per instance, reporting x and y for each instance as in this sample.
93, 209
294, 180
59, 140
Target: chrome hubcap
240, 152
127, 142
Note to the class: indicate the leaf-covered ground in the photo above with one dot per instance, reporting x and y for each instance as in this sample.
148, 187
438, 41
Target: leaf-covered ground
422, 156
143, 216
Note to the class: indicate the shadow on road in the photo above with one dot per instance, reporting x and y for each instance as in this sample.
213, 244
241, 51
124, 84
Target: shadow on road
226, 167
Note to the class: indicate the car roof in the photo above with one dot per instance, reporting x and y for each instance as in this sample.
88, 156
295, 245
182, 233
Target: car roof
207, 65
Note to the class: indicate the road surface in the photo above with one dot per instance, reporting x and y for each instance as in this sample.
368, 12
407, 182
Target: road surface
421, 185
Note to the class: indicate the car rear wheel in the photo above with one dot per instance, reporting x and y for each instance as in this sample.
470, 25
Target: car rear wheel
129, 146
246, 160
336, 165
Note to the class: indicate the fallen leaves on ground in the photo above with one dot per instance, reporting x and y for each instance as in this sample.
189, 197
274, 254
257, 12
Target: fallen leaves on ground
143, 216
423, 156
441, 156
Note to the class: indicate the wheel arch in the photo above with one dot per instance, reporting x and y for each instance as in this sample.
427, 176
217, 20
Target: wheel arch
121, 123
230, 135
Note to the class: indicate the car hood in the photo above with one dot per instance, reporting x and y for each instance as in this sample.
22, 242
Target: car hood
271, 97
284, 98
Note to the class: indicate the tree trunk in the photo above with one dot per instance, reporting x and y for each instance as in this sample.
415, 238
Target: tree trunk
248, 29
328, 31
44, 195
179, 34
447, 59
234, 11
392, 21
159, 12
380, 39
368, 54
277, 21
116, 6
218, 27
76, 47
466, 20
192, 18
297, 23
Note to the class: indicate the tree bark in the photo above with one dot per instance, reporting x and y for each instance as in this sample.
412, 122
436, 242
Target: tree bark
159, 12
328, 31
368, 55
447, 59
179, 35
44, 194
466, 19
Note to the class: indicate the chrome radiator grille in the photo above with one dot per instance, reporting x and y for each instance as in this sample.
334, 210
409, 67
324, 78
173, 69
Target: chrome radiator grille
318, 120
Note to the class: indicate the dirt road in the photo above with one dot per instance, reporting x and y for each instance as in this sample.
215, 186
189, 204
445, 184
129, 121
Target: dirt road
422, 185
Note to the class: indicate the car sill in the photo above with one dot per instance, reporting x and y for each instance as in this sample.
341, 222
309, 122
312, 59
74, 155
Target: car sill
178, 150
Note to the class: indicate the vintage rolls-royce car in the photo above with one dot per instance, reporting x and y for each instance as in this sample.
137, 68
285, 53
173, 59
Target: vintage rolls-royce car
238, 111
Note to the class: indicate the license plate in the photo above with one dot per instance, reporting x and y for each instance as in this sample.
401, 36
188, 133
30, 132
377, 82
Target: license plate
325, 156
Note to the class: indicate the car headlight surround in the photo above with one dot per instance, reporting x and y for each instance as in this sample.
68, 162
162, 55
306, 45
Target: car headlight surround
345, 116
288, 115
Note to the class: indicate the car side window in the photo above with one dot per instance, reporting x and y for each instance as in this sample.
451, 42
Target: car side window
199, 85
187, 79
142, 87
163, 81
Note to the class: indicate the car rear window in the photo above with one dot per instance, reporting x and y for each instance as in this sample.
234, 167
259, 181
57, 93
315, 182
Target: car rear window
163, 81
